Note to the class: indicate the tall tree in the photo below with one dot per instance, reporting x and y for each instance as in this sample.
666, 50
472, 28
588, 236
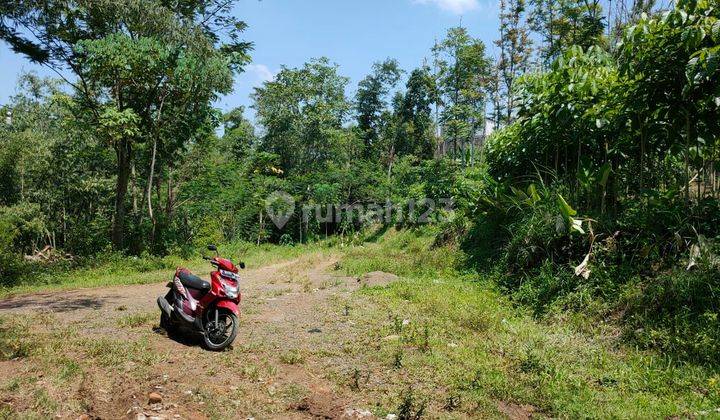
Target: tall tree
303, 111
239, 135
372, 102
515, 50
563, 23
144, 71
463, 77
414, 134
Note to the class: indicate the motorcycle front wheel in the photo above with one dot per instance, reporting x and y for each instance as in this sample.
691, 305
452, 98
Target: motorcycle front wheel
221, 328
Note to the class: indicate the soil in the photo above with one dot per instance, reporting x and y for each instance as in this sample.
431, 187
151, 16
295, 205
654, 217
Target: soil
290, 314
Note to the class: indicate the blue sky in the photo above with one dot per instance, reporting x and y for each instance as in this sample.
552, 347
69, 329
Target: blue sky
352, 33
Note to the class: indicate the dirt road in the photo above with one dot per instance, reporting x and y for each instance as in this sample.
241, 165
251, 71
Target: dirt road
286, 361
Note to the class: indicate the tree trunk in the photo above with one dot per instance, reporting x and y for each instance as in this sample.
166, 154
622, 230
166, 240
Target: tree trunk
262, 227
170, 196
151, 176
687, 158
392, 159
642, 155
122, 151
22, 183
133, 189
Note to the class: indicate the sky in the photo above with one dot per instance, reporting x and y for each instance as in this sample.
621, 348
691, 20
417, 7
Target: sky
352, 33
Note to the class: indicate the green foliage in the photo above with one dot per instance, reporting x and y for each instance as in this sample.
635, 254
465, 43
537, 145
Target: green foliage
413, 125
483, 349
564, 23
373, 114
10, 262
462, 80
146, 73
303, 111
678, 314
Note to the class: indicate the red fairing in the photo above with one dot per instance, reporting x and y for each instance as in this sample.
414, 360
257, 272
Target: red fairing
225, 264
229, 305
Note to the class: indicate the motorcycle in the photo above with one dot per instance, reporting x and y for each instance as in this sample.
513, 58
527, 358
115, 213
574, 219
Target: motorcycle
208, 308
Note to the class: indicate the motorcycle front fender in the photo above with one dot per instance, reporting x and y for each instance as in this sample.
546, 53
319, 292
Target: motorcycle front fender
230, 306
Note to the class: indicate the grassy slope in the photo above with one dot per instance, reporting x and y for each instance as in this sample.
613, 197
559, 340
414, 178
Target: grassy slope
446, 343
464, 346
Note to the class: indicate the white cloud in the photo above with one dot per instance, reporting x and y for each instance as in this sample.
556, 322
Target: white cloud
457, 7
261, 72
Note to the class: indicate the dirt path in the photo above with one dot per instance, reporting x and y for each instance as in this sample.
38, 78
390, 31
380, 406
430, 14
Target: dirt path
291, 313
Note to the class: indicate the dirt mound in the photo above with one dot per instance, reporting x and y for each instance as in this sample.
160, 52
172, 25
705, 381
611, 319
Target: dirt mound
376, 278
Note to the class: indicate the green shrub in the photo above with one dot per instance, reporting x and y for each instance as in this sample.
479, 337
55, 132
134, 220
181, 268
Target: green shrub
10, 262
678, 313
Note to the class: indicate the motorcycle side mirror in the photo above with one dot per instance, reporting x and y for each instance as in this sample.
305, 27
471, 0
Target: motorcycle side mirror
242, 265
212, 247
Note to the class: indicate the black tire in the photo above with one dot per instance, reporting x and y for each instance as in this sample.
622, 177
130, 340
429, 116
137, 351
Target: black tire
214, 340
166, 324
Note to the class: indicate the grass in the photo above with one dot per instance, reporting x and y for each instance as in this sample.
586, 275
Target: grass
462, 346
292, 357
440, 342
137, 319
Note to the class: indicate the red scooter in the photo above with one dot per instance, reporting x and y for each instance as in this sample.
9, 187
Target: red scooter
210, 309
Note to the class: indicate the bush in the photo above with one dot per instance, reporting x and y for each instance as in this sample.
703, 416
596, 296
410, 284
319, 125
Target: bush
678, 313
27, 221
10, 262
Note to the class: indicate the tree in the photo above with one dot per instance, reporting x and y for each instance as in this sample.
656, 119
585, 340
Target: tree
515, 51
563, 23
463, 76
145, 71
414, 134
302, 112
372, 102
239, 135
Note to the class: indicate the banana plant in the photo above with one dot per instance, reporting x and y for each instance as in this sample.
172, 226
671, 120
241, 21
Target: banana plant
567, 220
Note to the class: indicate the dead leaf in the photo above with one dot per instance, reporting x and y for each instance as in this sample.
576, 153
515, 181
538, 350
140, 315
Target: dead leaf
582, 270
694, 254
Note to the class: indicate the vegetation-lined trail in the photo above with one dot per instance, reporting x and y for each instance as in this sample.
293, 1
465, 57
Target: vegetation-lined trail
425, 341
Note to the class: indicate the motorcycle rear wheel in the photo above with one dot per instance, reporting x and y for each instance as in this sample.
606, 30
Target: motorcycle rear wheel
218, 337
166, 324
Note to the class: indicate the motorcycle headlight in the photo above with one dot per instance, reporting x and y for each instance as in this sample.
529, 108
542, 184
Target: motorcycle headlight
230, 290
230, 275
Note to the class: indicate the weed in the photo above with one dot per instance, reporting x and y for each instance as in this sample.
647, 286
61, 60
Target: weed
69, 370
409, 408
137, 319
12, 385
358, 379
14, 340
426, 339
44, 403
292, 357
452, 402
397, 324
398, 358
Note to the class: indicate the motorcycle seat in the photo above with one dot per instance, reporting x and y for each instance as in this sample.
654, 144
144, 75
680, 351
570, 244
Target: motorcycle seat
192, 281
